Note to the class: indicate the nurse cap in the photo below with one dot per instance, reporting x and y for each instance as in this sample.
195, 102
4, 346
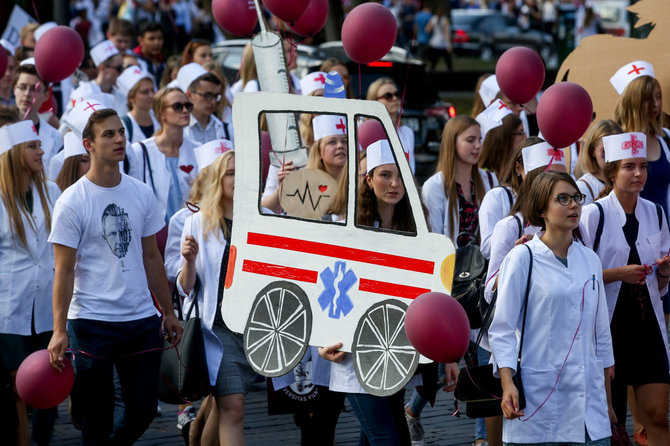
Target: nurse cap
43, 28
28, 61
625, 145
328, 125
77, 118
73, 145
103, 51
540, 155
312, 82
188, 74
492, 116
489, 89
629, 72
379, 153
207, 153
130, 77
17, 133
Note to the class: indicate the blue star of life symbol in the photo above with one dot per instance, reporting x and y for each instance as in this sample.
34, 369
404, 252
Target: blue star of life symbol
337, 282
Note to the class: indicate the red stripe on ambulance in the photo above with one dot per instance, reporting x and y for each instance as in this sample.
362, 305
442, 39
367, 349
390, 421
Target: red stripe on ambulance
391, 289
341, 252
284, 272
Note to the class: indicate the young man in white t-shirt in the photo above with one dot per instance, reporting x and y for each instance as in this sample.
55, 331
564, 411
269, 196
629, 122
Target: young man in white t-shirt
106, 261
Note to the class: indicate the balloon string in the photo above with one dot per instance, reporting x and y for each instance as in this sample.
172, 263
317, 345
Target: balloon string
404, 88
360, 84
37, 16
37, 87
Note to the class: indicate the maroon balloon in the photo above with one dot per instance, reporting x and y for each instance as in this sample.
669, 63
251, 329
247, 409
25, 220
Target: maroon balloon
40, 385
437, 327
287, 10
3, 61
564, 113
58, 54
368, 32
313, 19
520, 74
370, 131
237, 17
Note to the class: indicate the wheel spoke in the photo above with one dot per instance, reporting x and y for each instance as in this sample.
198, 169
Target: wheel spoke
269, 353
260, 342
371, 373
398, 330
292, 318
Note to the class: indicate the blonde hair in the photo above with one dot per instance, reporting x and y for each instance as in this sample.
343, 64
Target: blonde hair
211, 201
159, 105
306, 130
248, 67
199, 185
13, 171
446, 164
587, 162
634, 109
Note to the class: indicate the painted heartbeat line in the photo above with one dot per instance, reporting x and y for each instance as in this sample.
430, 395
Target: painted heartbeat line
307, 193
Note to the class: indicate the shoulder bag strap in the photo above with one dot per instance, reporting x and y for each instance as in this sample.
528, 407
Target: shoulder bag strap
490, 177
525, 300
129, 125
659, 211
593, 196
147, 163
194, 304
509, 196
599, 230
518, 222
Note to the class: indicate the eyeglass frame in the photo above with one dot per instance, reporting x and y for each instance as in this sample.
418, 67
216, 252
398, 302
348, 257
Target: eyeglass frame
578, 198
209, 96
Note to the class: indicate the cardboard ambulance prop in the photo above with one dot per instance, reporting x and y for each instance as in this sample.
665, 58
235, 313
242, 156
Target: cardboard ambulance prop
598, 58
294, 282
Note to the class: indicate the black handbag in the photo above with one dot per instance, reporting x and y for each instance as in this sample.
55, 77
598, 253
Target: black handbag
469, 279
184, 376
476, 385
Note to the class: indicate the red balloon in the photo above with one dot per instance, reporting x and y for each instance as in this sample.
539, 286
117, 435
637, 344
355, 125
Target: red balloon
58, 54
564, 113
370, 131
3, 61
520, 74
287, 10
40, 385
368, 32
313, 19
235, 16
437, 327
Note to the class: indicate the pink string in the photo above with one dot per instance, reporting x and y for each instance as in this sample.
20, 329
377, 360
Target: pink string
35, 10
37, 87
581, 317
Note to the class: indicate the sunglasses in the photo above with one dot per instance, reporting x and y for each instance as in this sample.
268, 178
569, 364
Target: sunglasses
389, 96
180, 106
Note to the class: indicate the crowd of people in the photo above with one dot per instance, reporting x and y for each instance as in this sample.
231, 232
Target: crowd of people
98, 223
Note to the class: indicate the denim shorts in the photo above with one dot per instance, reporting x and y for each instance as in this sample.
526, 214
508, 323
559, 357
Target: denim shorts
235, 373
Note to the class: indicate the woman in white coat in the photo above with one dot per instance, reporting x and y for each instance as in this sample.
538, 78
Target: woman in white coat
633, 244
566, 340
205, 250
166, 161
452, 195
592, 158
138, 87
26, 263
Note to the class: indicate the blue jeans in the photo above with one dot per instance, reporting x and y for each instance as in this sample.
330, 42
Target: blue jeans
480, 423
382, 419
111, 344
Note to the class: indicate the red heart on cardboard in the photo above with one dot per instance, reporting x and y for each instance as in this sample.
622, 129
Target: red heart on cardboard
323, 188
187, 169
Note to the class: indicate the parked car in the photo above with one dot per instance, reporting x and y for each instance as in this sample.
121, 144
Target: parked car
614, 16
488, 33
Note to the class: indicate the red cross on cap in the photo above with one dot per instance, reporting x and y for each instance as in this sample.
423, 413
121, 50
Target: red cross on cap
502, 105
110, 48
635, 70
320, 78
341, 126
222, 148
137, 71
35, 129
556, 154
91, 106
633, 144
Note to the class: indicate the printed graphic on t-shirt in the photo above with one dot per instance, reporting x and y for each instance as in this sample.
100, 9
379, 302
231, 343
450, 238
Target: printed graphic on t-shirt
116, 230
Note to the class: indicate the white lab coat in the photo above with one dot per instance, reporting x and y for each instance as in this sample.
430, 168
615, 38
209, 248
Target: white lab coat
26, 275
496, 205
666, 149
187, 169
433, 197
590, 186
208, 268
613, 250
172, 254
51, 140
554, 313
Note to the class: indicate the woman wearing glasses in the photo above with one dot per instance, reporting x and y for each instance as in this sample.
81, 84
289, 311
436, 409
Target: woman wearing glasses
632, 244
166, 161
566, 338
386, 91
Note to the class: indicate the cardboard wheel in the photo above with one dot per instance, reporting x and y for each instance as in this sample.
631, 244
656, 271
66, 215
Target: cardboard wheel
278, 329
384, 359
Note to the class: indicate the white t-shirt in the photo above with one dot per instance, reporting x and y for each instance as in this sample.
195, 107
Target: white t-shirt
106, 226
